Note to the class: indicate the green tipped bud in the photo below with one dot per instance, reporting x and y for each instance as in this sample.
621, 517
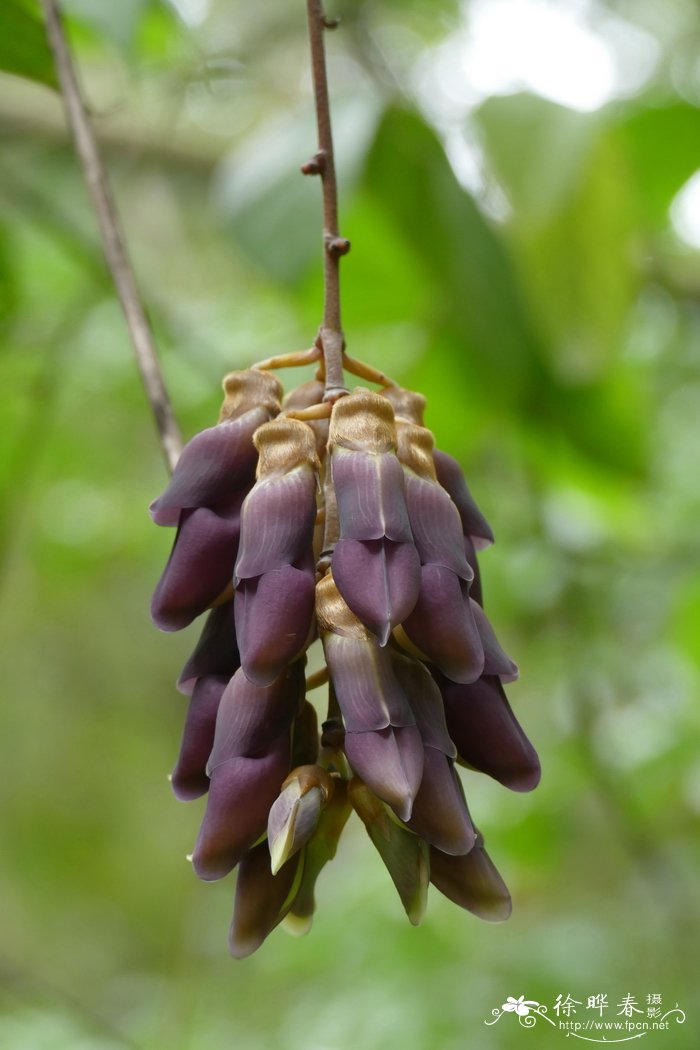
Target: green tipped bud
295, 813
404, 854
321, 848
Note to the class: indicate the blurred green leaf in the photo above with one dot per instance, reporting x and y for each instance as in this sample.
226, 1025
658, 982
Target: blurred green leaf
24, 49
478, 299
272, 210
536, 149
662, 144
572, 226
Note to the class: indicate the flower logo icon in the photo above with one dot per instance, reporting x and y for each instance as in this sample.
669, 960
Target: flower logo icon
520, 1006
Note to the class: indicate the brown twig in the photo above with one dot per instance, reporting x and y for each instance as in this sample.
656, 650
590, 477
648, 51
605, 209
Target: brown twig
112, 241
322, 163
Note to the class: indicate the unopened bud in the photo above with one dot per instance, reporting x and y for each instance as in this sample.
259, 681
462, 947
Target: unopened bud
295, 813
404, 854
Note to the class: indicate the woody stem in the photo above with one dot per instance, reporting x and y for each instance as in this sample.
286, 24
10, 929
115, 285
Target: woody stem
331, 333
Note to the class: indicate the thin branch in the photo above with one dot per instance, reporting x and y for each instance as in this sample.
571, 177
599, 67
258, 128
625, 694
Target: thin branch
112, 241
323, 164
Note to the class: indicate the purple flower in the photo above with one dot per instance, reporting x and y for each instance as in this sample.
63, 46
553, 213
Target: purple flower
275, 569
221, 460
200, 567
249, 761
189, 778
487, 734
262, 899
375, 563
472, 882
414, 669
440, 813
382, 742
405, 855
216, 652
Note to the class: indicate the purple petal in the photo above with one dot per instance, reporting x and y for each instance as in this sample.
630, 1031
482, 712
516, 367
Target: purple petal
274, 615
379, 580
426, 704
390, 761
404, 855
475, 589
367, 689
250, 718
487, 734
451, 478
369, 489
200, 566
440, 813
216, 462
241, 793
277, 522
262, 899
442, 625
436, 526
216, 652
189, 779
472, 882
495, 660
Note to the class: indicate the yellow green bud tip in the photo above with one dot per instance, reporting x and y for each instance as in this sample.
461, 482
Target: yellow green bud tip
295, 813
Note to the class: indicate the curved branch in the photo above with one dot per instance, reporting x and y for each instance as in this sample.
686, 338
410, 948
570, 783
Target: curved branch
112, 242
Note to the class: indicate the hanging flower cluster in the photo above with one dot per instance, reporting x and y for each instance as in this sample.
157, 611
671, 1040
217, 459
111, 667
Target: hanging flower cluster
296, 522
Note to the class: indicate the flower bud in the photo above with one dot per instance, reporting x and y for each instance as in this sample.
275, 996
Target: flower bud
262, 899
487, 734
382, 743
241, 791
221, 460
189, 779
295, 813
404, 854
320, 849
439, 814
449, 474
472, 882
216, 652
442, 625
275, 572
200, 567
374, 562
251, 717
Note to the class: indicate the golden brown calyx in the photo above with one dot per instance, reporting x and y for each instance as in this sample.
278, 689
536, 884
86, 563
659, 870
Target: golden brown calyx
250, 389
283, 444
416, 446
363, 421
333, 614
408, 405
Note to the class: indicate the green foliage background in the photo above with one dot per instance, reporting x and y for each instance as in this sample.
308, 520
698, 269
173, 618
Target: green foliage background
558, 347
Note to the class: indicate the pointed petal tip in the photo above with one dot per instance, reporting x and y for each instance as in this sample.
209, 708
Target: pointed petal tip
242, 947
525, 779
297, 925
166, 516
187, 789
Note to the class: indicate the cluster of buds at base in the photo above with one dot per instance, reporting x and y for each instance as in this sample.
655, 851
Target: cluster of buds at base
300, 523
